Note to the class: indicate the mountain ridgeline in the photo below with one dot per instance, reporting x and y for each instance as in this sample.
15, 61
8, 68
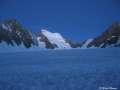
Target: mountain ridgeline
109, 38
13, 34
11, 31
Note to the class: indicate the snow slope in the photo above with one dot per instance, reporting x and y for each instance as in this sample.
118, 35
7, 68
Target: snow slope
85, 69
56, 38
4, 47
86, 44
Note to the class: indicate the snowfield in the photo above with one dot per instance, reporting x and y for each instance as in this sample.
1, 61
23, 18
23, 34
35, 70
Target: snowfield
80, 69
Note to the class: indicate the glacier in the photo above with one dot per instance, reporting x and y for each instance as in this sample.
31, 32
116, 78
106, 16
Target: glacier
77, 69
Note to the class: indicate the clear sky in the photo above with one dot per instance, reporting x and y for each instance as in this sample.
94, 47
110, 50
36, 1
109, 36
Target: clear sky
77, 20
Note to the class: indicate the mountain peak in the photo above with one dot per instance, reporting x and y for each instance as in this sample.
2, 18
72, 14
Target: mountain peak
107, 38
57, 39
7, 21
44, 30
116, 24
53, 40
13, 24
12, 33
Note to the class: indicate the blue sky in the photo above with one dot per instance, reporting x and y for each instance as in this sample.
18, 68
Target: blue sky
77, 20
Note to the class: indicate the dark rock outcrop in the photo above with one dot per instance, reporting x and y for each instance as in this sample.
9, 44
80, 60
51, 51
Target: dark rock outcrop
109, 37
4, 36
11, 31
73, 45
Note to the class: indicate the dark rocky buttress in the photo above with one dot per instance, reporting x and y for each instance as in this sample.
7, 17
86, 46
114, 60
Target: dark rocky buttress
107, 38
11, 31
72, 44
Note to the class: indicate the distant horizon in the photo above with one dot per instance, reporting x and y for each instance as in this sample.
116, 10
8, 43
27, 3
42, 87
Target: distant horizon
75, 20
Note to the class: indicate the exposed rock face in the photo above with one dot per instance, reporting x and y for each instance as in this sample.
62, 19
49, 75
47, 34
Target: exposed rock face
55, 40
73, 45
11, 31
109, 37
4, 35
48, 44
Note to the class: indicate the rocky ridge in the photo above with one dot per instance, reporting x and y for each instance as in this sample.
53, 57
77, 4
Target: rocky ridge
12, 32
108, 37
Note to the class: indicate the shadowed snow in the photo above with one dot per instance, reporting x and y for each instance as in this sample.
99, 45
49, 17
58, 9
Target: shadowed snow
85, 69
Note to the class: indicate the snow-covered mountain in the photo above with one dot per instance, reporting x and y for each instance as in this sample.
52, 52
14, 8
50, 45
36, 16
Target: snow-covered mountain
52, 40
55, 40
109, 38
15, 38
11, 31
13, 35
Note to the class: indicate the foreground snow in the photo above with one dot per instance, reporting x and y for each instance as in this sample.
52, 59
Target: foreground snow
86, 69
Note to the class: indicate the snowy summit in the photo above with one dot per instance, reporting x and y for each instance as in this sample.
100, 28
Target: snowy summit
56, 38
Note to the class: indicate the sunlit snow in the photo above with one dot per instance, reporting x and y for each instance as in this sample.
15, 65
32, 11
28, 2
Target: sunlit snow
56, 38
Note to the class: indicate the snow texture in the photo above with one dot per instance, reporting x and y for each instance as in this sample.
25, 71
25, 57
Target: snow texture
85, 69
86, 44
56, 38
